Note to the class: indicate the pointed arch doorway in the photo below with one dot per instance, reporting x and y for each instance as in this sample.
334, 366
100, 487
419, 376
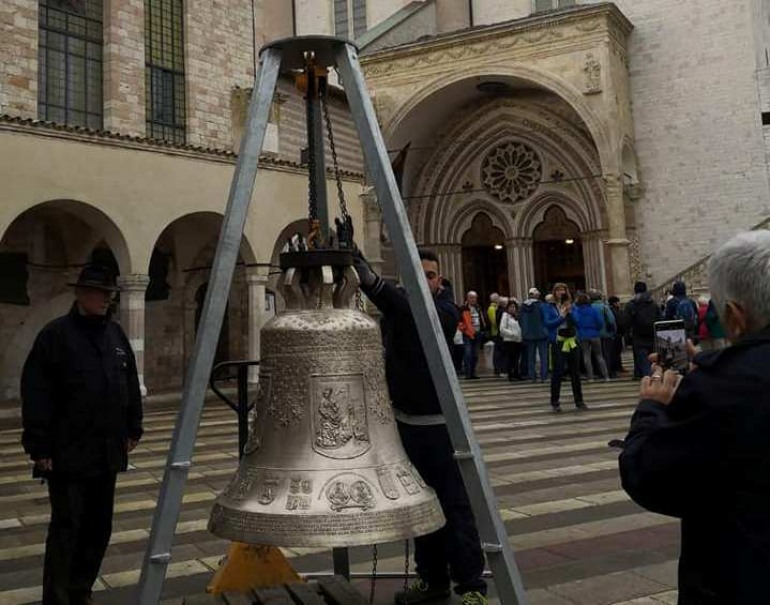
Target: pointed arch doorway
485, 263
558, 251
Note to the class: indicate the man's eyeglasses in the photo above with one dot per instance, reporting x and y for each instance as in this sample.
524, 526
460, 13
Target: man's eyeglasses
431, 275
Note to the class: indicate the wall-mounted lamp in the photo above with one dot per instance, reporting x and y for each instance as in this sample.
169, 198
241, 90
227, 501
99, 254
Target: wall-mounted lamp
569, 242
498, 246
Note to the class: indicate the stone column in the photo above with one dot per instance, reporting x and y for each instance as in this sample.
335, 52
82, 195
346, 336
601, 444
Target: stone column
618, 242
593, 260
256, 280
450, 262
521, 266
132, 290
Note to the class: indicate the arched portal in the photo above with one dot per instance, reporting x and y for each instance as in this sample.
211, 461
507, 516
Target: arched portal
485, 266
558, 251
41, 251
179, 271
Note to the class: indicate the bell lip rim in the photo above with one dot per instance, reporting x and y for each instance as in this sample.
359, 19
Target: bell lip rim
356, 539
221, 529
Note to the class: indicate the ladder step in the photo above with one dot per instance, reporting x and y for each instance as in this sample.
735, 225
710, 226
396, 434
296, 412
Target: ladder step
183, 465
161, 558
491, 548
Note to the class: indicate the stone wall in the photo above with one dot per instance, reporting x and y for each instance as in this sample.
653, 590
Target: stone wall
219, 56
18, 47
702, 161
124, 64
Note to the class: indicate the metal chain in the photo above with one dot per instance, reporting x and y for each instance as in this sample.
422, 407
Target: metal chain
312, 195
406, 570
335, 163
374, 574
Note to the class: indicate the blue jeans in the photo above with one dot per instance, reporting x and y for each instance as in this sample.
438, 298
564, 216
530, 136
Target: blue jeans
471, 355
641, 362
541, 347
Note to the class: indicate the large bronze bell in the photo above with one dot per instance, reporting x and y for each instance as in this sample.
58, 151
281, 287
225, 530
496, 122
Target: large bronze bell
324, 465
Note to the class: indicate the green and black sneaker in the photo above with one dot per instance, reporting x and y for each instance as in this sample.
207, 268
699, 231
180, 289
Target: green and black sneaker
474, 598
422, 592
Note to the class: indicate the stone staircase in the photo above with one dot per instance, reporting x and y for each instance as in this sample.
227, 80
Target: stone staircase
696, 275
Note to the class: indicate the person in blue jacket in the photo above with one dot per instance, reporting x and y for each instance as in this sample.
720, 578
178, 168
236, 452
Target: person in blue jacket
589, 328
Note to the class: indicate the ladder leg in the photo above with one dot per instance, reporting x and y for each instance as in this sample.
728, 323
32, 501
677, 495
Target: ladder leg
491, 529
164, 520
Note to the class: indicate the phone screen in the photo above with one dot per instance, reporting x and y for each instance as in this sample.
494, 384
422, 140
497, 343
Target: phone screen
671, 345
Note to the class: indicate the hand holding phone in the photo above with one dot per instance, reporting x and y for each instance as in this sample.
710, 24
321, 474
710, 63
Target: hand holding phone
671, 345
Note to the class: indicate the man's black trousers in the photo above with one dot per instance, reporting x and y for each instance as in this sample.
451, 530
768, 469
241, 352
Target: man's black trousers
454, 551
78, 534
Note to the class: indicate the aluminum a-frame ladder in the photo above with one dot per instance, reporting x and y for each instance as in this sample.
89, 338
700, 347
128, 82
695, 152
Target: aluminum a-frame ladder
290, 54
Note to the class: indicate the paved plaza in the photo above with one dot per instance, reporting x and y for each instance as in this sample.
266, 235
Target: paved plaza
578, 539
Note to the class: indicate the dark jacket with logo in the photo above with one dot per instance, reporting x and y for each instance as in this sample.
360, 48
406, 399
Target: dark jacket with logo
705, 458
406, 368
80, 394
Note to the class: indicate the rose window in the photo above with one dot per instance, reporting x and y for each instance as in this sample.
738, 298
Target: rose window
511, 172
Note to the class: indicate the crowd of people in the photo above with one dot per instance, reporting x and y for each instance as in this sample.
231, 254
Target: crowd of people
522, 338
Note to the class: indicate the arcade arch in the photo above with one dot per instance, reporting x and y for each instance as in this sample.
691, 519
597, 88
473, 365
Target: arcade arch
49, 242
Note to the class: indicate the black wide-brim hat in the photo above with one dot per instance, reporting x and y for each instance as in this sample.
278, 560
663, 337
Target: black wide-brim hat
96, 277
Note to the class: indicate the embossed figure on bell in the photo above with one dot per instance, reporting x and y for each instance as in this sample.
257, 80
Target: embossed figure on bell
324, 465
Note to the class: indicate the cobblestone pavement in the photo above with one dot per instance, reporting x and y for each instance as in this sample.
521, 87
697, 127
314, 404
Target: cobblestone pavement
576, 536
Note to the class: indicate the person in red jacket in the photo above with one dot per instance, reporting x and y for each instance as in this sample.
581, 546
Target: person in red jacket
475, 327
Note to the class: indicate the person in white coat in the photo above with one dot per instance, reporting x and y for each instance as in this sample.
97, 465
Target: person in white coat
510, 331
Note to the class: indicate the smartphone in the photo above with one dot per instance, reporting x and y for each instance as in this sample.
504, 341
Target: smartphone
671, 345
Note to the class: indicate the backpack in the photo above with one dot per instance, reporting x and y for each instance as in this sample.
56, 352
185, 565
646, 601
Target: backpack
686, 312
609, 321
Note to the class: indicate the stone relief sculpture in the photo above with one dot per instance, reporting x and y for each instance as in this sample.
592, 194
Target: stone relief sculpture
593, 73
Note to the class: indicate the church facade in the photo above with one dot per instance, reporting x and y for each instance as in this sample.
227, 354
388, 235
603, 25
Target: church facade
534, 141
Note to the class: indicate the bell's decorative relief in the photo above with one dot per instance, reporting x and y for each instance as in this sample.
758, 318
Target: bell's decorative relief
407, 480
300, 493
339, 416
349, 491
388, 484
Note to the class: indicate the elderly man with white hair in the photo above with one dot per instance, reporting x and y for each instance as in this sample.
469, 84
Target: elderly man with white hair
699, 446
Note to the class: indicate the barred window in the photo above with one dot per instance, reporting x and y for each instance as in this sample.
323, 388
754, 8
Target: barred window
546, 5
70, 62
164, 74
349, 18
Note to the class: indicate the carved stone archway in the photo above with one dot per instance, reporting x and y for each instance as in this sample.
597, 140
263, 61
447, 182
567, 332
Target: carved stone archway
485, 267
558, 251
578, 56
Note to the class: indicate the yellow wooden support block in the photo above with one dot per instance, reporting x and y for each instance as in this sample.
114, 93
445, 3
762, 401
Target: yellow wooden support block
248, 566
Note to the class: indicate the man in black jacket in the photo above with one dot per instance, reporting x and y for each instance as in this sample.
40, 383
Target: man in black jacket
82, 415
454, 551
698, 448
639, 318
